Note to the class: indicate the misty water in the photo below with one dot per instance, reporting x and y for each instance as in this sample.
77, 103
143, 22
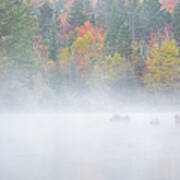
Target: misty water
89, 146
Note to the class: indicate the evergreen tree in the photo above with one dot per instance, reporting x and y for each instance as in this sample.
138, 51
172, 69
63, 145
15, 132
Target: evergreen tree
102, 12
176, 23
53, 46
124, 40
116, 20
17, 26
133, 15
140, 65
77, 15
44, 19
88, 9
17, 33
152, 18
49, 26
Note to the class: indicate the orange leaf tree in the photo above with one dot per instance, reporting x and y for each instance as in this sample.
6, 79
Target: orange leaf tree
88, 47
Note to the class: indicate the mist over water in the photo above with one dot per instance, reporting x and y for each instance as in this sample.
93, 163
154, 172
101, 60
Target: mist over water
75, 146
89, 90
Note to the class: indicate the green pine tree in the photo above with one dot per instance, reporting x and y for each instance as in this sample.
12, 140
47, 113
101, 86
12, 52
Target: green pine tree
152, 18
49, 26
116, 18
17, 26
124, 40
77, 15
176, 23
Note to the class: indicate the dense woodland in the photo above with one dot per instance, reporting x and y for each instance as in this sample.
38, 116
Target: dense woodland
54, 50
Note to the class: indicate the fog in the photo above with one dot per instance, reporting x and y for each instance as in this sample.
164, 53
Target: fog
86, 146
89, 90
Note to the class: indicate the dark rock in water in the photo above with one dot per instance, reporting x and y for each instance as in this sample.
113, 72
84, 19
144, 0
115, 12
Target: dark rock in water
117, 118
177, 118
154, 122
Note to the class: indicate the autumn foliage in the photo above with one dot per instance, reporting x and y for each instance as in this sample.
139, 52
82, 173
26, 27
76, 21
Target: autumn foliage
87, 47
55, 45
163, 66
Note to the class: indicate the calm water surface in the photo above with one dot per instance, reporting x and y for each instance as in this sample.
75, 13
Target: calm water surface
89, 147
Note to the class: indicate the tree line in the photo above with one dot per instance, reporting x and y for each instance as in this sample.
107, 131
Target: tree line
54, 47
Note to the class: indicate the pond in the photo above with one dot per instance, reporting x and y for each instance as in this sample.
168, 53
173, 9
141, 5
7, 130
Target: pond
89, 146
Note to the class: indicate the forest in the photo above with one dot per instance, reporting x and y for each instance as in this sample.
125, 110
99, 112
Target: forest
54, 52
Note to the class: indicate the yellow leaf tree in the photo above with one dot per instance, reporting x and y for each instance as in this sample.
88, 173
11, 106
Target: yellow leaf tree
64, 59
111, 69
87, 48
163, 67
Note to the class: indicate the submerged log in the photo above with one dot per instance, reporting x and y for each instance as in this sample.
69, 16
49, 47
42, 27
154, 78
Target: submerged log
177, 119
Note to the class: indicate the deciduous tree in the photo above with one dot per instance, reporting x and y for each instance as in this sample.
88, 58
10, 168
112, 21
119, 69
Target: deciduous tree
163, 67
